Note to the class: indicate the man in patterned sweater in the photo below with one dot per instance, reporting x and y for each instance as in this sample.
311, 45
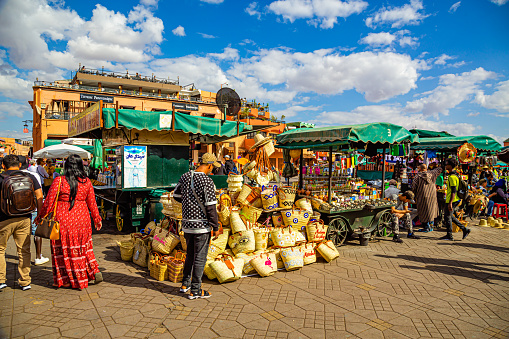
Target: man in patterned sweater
197, 193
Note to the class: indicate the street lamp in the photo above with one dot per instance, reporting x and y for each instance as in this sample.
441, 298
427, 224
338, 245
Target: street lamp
25, 127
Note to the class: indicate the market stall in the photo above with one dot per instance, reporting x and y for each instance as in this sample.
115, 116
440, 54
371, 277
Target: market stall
362, 212
136, 143
59, 151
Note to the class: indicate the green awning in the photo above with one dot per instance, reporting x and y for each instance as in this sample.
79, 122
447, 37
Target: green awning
380, 133
51, 142
134, 119
424, 133
480, 142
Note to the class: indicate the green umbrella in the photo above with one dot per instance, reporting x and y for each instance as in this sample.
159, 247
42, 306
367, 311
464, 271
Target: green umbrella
97, 161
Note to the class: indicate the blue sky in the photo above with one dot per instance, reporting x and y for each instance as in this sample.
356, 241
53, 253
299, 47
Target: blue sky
440, 65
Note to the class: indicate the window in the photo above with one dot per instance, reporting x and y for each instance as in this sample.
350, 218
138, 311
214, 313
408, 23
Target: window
159, 110
127, 107
250, 135
209, 115
231, 144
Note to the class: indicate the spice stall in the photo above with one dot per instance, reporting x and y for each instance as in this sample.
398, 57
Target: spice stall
143, 142
363, 214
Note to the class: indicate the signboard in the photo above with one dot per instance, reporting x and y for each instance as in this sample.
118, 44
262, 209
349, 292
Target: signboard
165, 120
187, 107
135, 166
96, 97
87, 120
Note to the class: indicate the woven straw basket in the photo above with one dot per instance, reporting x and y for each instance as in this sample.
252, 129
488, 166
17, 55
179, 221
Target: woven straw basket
261, 238
309, 253
140, 255
297, 219
315, 217
208, 271
175, 271
227, 269
236, 222
328, 251
248, 268
277, 219
269, 199
279, 260
300, 237
251, 213
316, 231
224, 209
286, 196
265, 264
304, 204
214, 252
164, 241
242, 242
159, 270
283, 237
293, 258
244, 193
126, 249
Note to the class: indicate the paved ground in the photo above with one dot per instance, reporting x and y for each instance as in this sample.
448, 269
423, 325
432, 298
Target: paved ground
422, 288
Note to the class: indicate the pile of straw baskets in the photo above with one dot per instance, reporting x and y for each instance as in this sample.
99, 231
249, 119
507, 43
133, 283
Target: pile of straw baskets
264, 230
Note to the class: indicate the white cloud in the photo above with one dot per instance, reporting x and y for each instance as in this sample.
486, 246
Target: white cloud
392, 114
472, 114
213, 1
499, 100
247, 42
179, 31
207, 36
442, 60
499, 2
18, 134
408, 41
409, 14
149, 3
453, 89
252, 10
378, 39
322, 12
454, 7
295, 110
13, 109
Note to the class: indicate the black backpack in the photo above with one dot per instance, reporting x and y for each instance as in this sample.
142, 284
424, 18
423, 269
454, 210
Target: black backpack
462, 192
18, 194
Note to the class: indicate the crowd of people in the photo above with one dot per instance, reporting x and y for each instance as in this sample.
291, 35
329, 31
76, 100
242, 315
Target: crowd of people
66, 196
434, 207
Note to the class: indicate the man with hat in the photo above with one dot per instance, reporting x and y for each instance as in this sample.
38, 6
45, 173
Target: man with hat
197, 193
230, 165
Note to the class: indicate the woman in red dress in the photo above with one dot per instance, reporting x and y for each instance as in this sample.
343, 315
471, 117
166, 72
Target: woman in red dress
73, 258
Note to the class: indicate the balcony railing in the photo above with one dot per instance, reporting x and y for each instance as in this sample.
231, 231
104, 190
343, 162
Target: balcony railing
117, 91
59, 115
126, 75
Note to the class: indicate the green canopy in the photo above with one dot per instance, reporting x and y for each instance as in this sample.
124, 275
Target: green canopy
480, 142
134, 119
424, 133
380, 133
97, 160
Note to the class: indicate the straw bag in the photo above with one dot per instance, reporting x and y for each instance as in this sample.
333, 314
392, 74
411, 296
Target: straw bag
309, 253
283, 237
279, 260
286, 196
261, 236
327, 250
236, 222
262, 179
224, 209
176, 267
248, 268
251, 213
269, 199
293, 258
316, 203
242, 242
304, 204
165, 241
177, 208
158, 270
208, 271
183, 241
265, 264
300, 236
140, 255
277, 219
218, 245
316, 231
244, 193
315, 217
126, 249
297, 219
227, 268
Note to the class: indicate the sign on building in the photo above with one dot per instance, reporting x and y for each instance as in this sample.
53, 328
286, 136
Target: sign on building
96, 97
187, 107
87, 120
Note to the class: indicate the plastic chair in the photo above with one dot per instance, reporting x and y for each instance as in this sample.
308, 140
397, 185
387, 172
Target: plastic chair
500, 211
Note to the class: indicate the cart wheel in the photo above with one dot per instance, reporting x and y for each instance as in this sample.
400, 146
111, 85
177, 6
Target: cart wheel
118, 217
384, 227
102, 211
337, 231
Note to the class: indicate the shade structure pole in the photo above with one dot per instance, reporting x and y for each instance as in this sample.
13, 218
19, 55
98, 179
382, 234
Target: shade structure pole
383, 174
330, 174
301, 168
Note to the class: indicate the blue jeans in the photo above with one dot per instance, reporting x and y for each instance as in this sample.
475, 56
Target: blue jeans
427, 225
491, 203
450, 218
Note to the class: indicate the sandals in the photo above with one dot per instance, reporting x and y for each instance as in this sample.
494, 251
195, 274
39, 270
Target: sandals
200, 295
184, 289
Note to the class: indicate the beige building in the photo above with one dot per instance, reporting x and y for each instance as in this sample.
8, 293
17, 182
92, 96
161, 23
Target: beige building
14, 146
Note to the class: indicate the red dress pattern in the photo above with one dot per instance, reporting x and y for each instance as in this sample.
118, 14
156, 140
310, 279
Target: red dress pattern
73, 256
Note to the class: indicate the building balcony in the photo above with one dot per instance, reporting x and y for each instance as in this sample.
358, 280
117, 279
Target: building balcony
59, 115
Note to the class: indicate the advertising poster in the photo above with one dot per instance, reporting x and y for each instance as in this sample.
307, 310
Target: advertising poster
135, 166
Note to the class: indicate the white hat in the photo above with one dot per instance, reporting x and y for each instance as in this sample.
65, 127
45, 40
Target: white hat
227, 156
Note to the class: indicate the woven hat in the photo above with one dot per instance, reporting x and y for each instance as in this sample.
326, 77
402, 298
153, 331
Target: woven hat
483, 223
467, 153
209, 158
260, 140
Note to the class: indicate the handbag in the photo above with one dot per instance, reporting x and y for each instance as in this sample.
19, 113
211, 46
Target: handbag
49, 228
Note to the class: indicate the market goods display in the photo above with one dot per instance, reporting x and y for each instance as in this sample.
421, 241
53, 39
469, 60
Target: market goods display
226, 268
296, 218
265, 264
293, 258
327, 250
316, 231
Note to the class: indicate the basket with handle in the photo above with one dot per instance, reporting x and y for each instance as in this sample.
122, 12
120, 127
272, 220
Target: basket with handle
126, 249
248, 268
251, 213
224, 209
242, 242
175, 267
309, 253
265, 264
277, 219
327, 250
208, 270
316, 231
304, 204
261, 238
226, 268
286, 196
158, 270
279, 260
165, 241
296, 218
283, 236
293, 258
236, 222
269, 199
244, 193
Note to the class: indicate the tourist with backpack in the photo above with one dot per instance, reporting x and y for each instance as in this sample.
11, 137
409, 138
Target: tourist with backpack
456, 188
20, 195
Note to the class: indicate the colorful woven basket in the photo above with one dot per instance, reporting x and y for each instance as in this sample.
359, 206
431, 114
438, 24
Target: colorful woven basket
296, 218
265, 264
304, 204
251, 213
261, 238
126, 249
293, 258
242, 242
327, 250
316, 231
227, 268
283, 237
236, 222
309, 253
286, 196
269, 199
279, 260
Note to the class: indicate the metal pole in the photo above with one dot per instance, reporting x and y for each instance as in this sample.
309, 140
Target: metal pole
330, 174
301, 168
383, 174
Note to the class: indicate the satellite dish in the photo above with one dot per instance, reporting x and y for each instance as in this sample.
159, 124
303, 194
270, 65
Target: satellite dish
228, 101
